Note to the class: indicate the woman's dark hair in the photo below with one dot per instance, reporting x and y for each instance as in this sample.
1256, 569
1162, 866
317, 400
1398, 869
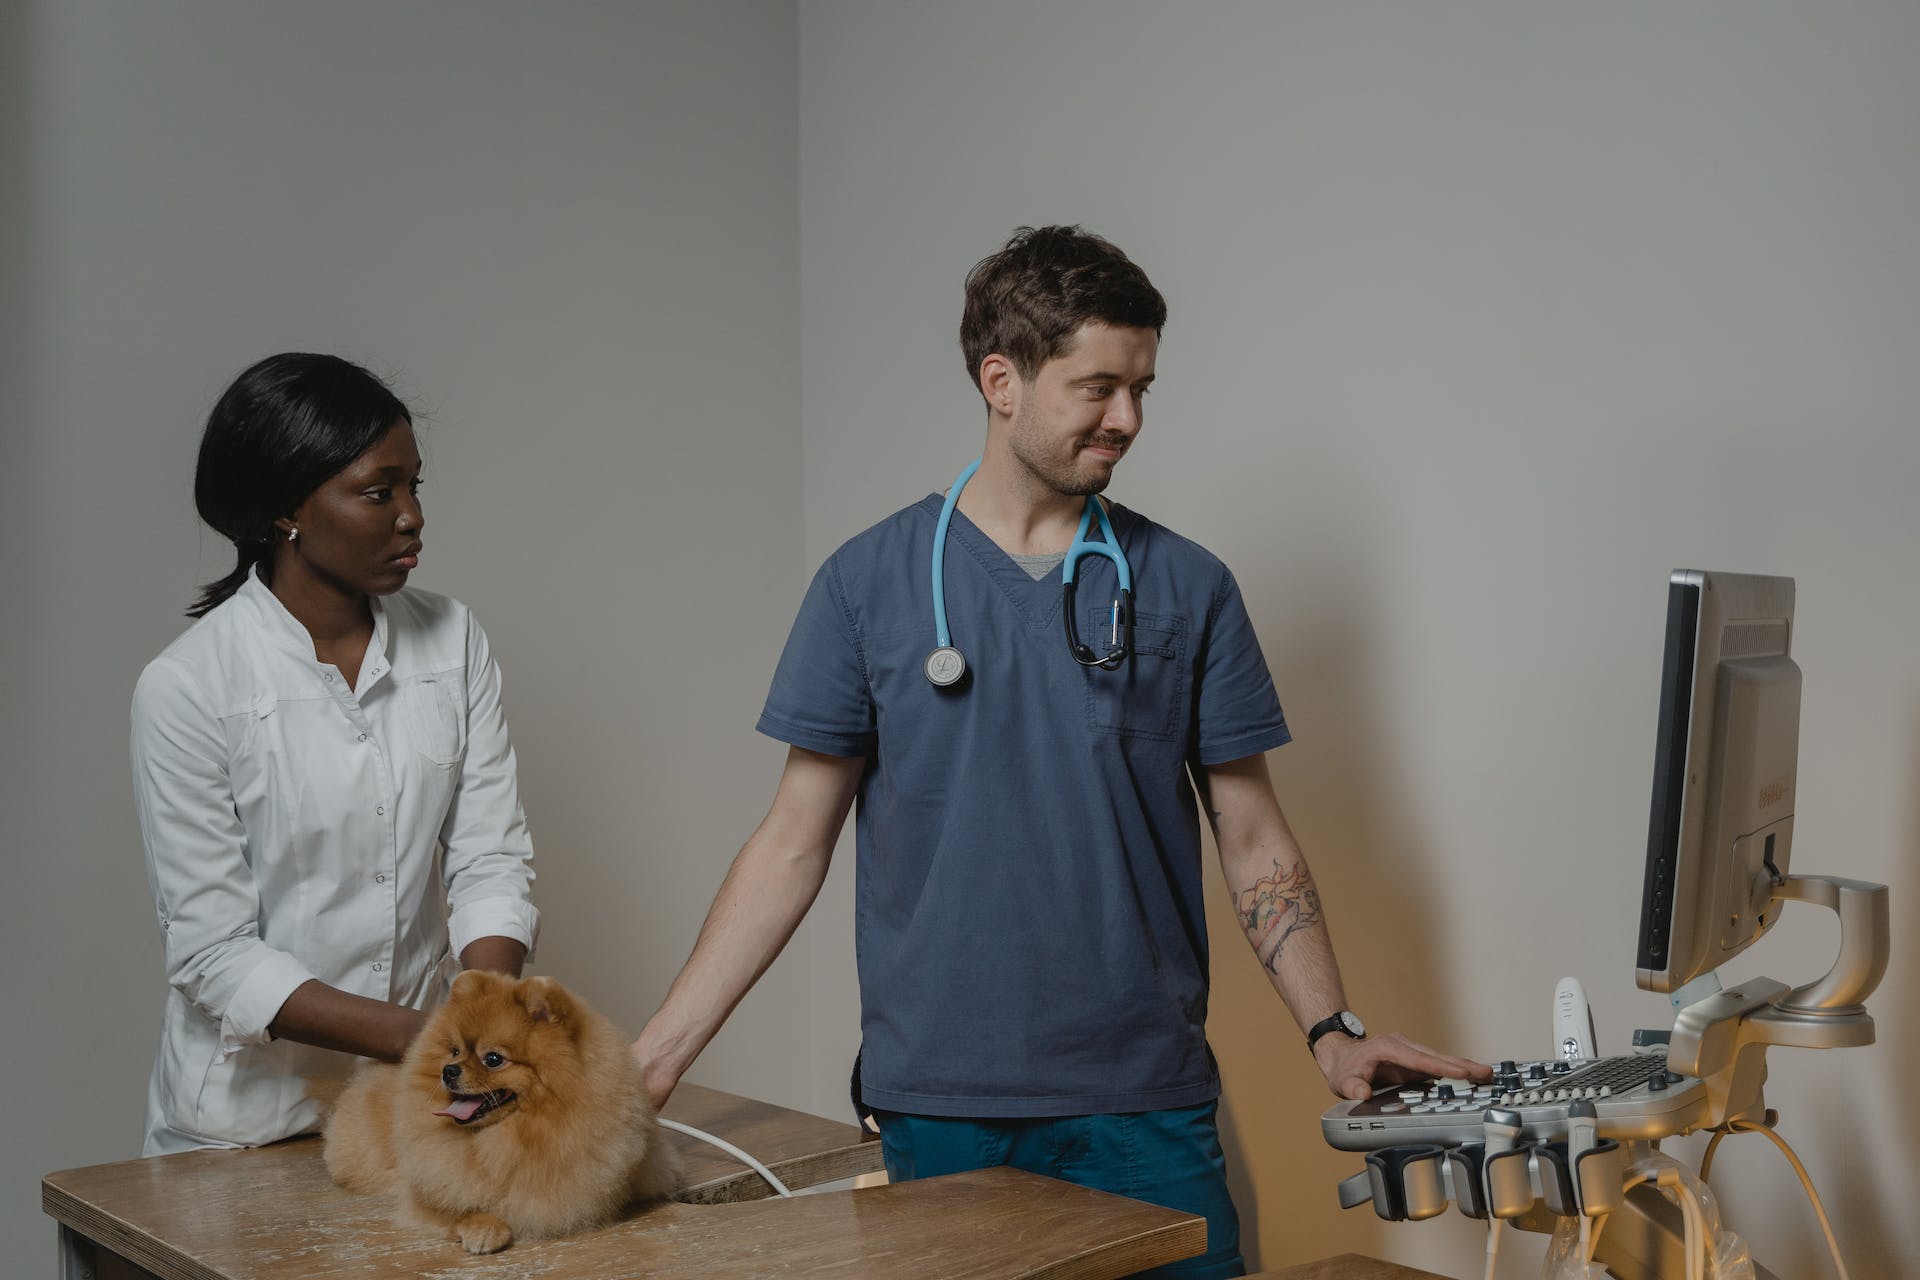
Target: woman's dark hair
285, 427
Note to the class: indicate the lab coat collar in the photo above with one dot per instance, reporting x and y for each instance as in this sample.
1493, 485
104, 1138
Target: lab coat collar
288, 633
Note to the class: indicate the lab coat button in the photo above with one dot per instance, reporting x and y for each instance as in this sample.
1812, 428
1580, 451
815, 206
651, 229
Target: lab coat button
363, 737
380, 809
376, 966
381, 878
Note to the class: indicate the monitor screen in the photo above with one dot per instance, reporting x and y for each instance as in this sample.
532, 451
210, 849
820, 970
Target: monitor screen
1721, 828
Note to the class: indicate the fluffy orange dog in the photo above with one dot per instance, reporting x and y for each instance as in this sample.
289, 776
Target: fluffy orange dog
517, 1112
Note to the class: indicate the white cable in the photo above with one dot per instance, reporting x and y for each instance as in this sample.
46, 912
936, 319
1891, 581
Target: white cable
1703, 1244
1706, 1157
730, 1149
1696, 1242
1806, 1184
1493, 1244
1694, 1225
1697, 1257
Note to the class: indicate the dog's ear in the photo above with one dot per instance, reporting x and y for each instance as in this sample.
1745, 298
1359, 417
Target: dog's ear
545, 1000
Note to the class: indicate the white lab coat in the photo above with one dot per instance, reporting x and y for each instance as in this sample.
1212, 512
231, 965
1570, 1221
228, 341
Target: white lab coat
297, 828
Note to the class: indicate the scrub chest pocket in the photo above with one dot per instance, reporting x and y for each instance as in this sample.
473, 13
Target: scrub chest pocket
1146, 696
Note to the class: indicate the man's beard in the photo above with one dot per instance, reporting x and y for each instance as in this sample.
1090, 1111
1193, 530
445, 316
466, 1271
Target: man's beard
1061, 477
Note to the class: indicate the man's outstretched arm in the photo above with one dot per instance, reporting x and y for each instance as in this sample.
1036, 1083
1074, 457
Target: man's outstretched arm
772, 883
1278, 907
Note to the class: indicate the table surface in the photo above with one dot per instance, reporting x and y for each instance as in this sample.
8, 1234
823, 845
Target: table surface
1348, 1266
271, 1213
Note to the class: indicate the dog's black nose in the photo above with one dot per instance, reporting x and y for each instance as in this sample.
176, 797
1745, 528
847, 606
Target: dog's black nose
450, 1074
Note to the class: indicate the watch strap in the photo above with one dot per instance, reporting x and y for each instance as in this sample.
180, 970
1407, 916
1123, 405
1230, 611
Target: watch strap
1336, 1021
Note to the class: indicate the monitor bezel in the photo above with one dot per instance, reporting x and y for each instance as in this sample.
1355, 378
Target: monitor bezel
1718, 713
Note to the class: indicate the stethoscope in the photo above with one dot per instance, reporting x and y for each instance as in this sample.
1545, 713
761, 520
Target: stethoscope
945, 667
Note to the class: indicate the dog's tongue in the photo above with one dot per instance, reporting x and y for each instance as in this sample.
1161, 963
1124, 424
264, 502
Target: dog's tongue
460, 1108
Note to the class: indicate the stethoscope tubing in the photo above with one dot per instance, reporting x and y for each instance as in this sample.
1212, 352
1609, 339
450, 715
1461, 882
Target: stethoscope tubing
1110, 548
940, 554
946, 659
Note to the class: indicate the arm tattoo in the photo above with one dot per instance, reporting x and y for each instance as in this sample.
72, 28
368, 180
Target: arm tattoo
1275, 908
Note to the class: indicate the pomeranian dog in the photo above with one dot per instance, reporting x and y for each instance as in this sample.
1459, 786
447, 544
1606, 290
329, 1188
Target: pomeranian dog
517, 1114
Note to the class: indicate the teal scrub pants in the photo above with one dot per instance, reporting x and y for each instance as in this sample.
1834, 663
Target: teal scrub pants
1169, 1158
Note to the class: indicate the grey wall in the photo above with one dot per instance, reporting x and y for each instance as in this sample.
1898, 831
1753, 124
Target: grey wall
570, 235
1484, 317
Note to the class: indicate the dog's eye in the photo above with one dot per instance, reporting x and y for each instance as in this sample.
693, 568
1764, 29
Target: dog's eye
494, 1061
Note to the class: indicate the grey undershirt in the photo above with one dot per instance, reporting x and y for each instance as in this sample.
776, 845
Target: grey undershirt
1039, 566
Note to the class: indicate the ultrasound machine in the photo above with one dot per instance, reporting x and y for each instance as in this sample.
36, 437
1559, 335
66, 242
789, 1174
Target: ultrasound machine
1563, 1136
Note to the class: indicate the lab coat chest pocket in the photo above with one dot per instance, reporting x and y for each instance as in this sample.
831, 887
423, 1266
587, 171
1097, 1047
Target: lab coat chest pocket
1146, 696
436, 714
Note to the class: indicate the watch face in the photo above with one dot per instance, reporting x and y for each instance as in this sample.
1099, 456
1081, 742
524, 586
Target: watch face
1351, 1021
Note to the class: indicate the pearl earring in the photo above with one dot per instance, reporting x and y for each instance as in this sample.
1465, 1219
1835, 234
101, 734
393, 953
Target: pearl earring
293, 535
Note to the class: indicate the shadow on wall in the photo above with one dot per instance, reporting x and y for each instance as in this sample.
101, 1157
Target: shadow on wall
1352, 820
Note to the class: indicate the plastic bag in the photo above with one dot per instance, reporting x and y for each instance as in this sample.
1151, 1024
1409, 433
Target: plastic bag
1728, 1257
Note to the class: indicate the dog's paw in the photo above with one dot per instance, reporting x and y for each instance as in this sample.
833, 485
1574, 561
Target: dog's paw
483, 1233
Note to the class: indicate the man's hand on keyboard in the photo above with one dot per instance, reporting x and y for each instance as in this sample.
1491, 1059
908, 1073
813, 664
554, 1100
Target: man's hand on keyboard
1355, 1067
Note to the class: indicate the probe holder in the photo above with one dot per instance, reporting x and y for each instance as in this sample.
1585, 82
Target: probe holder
1556, 1178
1510, 1181
1407, 1182
1466, 1178
1599, 1174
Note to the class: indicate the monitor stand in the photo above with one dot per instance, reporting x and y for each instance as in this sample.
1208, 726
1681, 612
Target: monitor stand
1722, 1039
1712, 1035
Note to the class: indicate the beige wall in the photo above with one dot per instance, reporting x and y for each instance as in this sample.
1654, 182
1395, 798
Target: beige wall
1484, 317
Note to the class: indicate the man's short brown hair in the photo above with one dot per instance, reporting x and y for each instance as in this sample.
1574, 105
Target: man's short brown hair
1025, 301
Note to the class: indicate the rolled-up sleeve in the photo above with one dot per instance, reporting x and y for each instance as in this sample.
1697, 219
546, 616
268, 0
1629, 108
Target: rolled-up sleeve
489, 851
203, 889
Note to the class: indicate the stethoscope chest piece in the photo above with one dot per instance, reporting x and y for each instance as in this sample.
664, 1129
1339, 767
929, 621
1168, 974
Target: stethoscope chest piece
945, 667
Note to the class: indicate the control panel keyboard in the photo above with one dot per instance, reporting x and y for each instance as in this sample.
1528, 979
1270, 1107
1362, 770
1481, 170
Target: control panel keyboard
1634, 1095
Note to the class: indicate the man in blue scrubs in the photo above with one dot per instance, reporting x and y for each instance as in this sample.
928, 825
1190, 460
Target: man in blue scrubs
1031, 934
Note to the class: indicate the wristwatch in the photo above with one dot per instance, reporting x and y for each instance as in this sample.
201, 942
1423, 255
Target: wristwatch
1346, 1022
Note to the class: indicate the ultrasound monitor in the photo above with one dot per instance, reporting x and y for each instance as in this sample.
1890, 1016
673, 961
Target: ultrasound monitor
1720, 832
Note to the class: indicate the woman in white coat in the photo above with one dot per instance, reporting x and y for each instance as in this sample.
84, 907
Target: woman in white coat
325, 787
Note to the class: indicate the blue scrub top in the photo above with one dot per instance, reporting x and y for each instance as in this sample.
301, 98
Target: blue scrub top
1029, 922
